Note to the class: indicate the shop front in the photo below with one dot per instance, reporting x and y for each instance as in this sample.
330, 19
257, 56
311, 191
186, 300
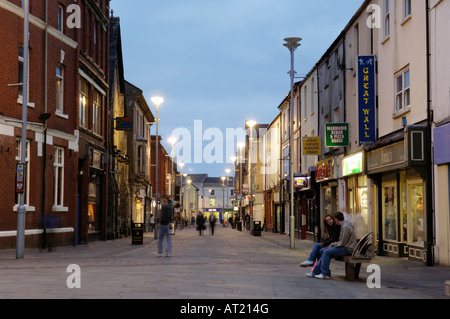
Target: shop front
326, 179
307, 207
401, 197
442, 192
353, 170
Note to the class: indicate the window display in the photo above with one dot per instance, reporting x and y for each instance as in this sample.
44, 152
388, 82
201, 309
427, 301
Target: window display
416, 209
390, 213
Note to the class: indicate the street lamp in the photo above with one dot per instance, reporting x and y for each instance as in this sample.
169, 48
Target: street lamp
292, 44
172, 141
157, 101
21, 210
181, 184
251, 125
241, 147
223, 178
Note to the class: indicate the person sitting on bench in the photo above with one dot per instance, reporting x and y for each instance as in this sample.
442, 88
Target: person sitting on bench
344, 247
332, 230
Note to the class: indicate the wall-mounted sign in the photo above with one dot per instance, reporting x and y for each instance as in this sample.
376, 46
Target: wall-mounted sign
336, 134
312, 146
353, 164
124, 124
301, 182
20, 179
366, 99
325, 170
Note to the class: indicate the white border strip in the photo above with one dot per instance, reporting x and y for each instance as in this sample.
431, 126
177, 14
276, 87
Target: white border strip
13, 233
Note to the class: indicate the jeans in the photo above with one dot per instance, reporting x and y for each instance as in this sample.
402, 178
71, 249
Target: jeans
164, 232
323, 265
316, 253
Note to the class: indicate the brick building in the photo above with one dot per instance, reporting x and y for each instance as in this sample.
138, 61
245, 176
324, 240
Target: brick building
52, 138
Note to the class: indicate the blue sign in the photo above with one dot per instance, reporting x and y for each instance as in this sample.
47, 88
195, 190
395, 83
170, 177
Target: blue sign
367, 99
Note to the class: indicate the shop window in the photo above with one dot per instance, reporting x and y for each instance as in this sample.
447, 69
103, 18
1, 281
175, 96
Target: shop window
416, 211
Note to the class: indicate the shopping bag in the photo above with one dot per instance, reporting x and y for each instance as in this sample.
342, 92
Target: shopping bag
171, 229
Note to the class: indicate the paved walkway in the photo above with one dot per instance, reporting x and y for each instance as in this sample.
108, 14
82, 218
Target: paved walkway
230, 265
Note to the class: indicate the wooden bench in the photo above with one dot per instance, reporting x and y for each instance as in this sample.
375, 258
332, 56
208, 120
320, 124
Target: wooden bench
362, 255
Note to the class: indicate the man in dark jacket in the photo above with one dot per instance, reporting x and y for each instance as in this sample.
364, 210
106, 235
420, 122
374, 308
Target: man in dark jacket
165, 219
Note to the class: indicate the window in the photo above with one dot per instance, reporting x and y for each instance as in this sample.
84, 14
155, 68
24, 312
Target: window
58, 185
212, 202
407, 4
403, 91
387, 18
212, 192
83, 103
59, 88
60, 19
27, 161
96, 113
140, 159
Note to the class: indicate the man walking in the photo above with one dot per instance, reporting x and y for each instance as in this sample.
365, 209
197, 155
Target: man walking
344, 247
212, 222
165, 218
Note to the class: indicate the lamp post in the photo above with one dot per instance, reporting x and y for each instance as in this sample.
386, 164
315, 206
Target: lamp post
181, 184
251, 125
21, 210
157, 101
223, 196
292, 44
172, 142
241, 147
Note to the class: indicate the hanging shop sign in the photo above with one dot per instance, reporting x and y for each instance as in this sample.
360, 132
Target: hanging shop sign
312, 146
301, 182
353, 164
325, 170
124, 124
366, 99
336, 135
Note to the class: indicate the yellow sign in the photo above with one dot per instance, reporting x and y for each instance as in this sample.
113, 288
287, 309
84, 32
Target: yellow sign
312, 146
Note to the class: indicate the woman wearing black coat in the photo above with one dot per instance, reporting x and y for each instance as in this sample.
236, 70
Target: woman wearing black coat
332, 232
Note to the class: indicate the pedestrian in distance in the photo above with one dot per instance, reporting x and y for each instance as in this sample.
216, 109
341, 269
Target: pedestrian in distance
200, 223
344, 247
332, 233
247, 221
212, 223
152, 223
165, 219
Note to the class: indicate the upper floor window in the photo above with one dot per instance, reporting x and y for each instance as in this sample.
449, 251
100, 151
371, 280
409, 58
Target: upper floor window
387, 18
83, 109
403, 90
60, 19
407, 7
96, 112
59, 88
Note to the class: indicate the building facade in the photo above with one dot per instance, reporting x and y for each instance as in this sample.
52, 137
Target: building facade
92, 119
52, 130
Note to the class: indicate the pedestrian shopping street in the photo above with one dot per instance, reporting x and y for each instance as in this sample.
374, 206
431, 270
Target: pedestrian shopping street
230, 265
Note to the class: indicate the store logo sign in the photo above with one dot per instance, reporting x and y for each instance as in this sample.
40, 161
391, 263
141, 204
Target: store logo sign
366, 99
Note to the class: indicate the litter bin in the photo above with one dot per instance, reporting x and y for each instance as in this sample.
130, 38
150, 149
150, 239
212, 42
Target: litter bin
256, 229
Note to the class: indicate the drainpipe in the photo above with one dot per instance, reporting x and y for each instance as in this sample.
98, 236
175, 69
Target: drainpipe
429, 173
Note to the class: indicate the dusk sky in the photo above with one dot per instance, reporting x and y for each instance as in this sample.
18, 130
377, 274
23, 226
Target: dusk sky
222, 62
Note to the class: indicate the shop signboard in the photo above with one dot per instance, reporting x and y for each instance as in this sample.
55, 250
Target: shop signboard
366, 99
337, 135
301, 182
137, 233
353, 164
325, 170
124, 124
312, 146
